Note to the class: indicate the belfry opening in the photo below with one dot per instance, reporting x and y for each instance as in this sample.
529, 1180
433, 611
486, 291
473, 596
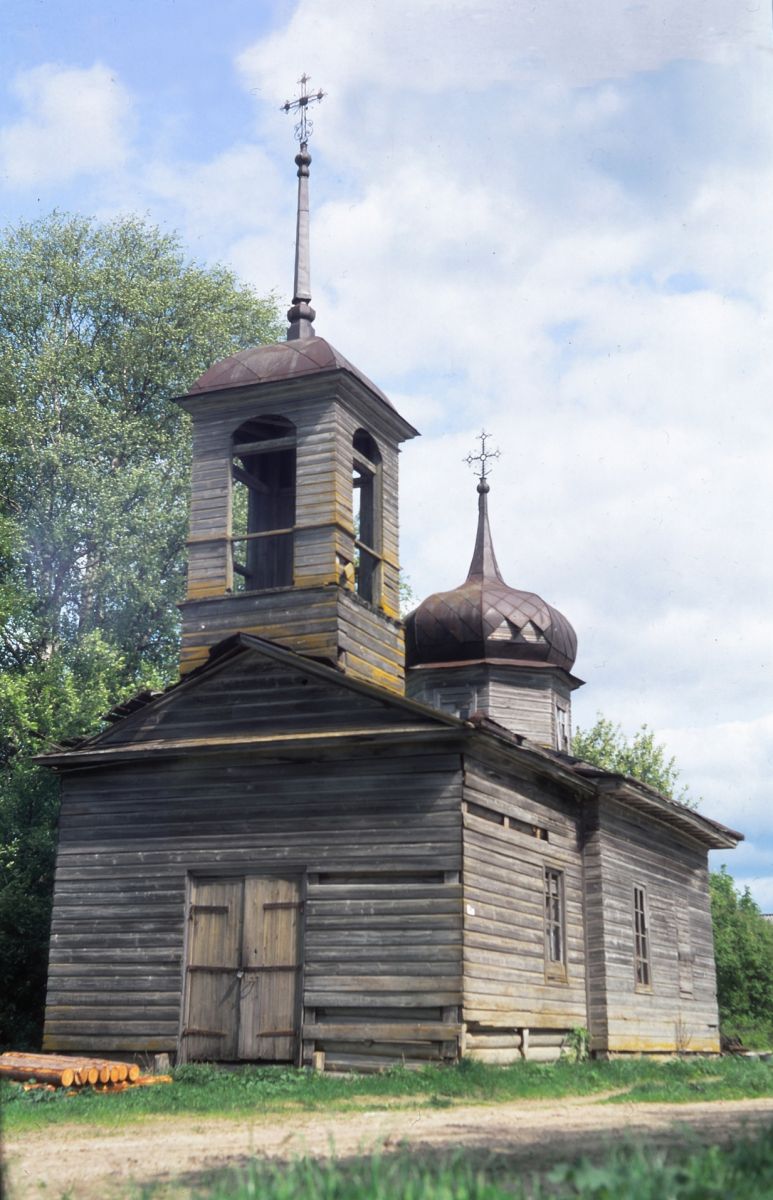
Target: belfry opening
263, 504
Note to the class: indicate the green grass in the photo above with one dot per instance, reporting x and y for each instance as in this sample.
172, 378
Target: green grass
258, 1091
756, 1033
743, 1171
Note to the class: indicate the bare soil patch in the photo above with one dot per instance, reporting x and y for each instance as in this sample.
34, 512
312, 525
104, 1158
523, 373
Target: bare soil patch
102, 1163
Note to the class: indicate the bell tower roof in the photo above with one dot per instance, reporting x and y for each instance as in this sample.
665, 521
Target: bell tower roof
284, 361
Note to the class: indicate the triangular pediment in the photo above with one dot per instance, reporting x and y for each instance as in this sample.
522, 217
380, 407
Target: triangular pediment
257, 692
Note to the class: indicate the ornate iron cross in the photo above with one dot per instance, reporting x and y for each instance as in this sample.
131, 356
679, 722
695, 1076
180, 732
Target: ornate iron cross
304, 127
484, 458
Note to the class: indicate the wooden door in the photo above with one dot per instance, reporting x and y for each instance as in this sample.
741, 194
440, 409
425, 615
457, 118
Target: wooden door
271, 944
210, 1028
243, 969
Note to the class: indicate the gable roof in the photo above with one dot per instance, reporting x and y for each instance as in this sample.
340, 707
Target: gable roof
302, 705
253, 693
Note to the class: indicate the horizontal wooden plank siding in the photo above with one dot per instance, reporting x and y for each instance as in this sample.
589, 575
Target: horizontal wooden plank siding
678, 1010
377, 838
324, 622
505, 980
520, 699
251, 695
325, 414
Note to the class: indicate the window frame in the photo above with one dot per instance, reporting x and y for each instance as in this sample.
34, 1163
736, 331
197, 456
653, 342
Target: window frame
642, 943
563, 728
554, 899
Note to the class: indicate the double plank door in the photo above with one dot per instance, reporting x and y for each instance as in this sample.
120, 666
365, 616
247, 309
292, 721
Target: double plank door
243, 969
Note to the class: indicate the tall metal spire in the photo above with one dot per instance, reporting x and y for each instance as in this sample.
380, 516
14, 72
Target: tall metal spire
301, 314
484, 561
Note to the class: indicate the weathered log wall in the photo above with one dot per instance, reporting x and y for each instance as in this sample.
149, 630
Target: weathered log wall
513, 829
522, 700
309, 616
251, 694
379, 838
677, 1011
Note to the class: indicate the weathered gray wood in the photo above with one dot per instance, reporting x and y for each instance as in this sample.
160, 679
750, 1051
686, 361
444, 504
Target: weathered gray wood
269, 1006
380, 1031
377, 837
211, 1016
623, 850
325, 417
502, 1056
522, 700
504, 952
493, 1040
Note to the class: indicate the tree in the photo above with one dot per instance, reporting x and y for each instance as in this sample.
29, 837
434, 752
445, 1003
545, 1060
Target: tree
605, 745
743, 949
100, 326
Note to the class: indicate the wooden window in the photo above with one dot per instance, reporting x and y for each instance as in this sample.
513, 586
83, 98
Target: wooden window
563, 740
684, 949
458, 701
641, 938
263, 504
366, 509
555, 924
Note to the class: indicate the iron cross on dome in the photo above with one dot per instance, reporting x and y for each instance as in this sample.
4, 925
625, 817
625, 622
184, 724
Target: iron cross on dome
304, 127
484, 458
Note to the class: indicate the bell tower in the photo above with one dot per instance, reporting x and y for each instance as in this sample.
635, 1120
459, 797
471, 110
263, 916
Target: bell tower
294, 495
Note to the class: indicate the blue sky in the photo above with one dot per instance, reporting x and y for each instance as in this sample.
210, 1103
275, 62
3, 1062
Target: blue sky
554, 225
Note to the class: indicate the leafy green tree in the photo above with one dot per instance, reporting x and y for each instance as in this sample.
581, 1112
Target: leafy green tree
743, 948
100, 325
606, 745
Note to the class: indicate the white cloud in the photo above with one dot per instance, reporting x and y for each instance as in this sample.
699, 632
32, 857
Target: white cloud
229, 193
75, 121
433, 45
732, 761
558, 228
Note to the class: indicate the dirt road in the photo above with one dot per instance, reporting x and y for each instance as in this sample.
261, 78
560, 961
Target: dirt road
96, 1164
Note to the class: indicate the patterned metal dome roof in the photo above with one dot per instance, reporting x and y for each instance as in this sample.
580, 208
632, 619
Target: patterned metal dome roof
278, 361
485, 620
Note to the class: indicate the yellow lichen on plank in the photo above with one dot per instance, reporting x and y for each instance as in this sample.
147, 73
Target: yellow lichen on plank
633, 1044
205, 588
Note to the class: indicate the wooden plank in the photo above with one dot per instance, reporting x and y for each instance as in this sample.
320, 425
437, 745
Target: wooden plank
212, 996
379, 1031
271, 939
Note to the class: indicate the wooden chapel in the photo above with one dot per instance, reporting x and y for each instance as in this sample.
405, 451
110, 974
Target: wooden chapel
340, 838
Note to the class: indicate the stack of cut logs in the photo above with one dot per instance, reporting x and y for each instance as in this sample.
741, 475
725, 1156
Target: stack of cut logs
55, 1070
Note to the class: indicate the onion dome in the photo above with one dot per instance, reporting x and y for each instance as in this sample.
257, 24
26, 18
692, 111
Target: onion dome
484, 620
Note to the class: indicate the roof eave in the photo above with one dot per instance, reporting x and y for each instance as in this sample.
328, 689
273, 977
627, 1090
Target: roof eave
641, 797
191, 401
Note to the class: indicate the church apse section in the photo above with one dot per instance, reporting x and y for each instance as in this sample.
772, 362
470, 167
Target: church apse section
650, 944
